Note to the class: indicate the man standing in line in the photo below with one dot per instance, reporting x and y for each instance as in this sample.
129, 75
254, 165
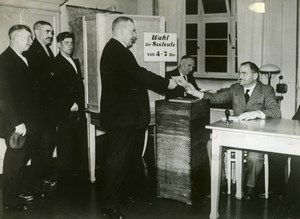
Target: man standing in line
125, 111
71, 132
185, 69
40, 59
19, 96
251, 99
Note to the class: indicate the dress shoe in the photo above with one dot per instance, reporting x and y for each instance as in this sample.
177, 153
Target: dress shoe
49, 182
249, 194
112, 213
263, 195
30, 196
26, 196
16, 207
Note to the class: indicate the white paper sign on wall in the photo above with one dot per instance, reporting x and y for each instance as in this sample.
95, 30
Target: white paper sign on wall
160, 47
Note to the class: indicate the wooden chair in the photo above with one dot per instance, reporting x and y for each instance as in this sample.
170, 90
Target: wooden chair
230, 159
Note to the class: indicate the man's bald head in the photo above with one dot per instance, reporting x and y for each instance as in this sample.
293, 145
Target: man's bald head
123, 30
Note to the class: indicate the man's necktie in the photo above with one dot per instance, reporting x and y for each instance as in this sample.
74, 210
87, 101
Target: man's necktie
246, 95
185, 77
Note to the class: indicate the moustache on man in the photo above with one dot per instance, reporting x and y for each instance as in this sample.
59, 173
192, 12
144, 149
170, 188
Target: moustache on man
133, 40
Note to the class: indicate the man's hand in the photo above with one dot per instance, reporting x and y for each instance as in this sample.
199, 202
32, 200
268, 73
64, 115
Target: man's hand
190, 89
181, 83
249, 115
172, 84
21, 129
74, 107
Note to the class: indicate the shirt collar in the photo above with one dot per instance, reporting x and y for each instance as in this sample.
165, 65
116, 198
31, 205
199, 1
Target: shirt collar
70, 60
250, 89
44, 46
120, 42
67, 57
21, 56
181, 74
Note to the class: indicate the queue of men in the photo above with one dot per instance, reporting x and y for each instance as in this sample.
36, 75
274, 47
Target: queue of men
43, 99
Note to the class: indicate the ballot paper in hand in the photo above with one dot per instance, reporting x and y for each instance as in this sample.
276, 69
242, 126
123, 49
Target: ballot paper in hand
180, 80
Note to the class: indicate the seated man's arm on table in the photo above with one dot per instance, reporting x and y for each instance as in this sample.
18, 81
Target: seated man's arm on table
271, 108
257, 114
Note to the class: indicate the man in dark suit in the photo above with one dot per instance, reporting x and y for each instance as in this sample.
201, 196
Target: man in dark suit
185, 69
125, 108
40, 59
250, 99
19, 96
71, 133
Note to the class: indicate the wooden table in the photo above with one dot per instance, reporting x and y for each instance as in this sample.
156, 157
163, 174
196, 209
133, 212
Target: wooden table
272, 135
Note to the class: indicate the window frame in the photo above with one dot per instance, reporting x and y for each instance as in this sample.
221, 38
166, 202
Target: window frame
201, 19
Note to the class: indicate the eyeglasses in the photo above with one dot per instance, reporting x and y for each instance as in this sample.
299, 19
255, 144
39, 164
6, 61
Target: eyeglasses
49, 31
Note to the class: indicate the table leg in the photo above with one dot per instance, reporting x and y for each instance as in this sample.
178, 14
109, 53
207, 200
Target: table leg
215, 176
91, 148
239, 161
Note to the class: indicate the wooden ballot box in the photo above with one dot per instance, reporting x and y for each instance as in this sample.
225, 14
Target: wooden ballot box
181, 146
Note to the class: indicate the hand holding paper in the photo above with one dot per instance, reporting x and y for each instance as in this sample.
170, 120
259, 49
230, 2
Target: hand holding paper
180, 80
191, 90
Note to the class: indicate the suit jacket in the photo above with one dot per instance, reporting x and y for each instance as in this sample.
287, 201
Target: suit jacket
18, 92
124, 100
262, 98
42, 66
179, 91
70, 88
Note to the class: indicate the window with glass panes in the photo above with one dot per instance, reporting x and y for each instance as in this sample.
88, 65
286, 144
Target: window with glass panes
211, 37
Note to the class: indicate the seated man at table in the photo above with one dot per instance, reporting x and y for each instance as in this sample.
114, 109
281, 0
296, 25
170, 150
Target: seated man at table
251, 99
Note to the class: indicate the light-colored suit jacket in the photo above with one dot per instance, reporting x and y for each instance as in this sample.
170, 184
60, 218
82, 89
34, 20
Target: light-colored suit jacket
262, 98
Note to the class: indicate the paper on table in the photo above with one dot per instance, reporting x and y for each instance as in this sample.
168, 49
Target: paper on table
180, 80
